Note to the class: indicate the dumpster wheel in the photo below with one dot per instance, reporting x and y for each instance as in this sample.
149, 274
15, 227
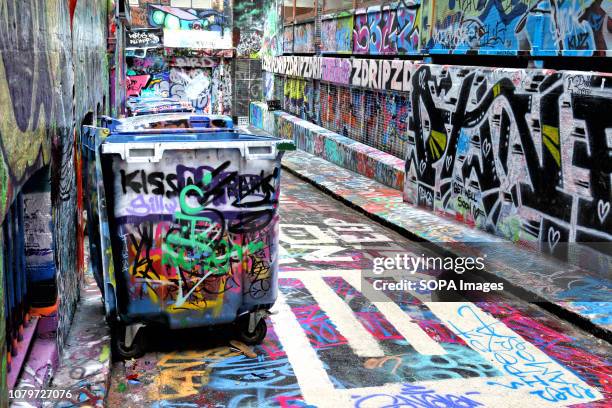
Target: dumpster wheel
121, 350
251, 337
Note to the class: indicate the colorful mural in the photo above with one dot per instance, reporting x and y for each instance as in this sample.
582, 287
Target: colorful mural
204, 82
539, 28
303, 38
387, 30
248, 27
272, 28
520, 153
337, 34
192, 66
197, 242
299, 98
331, 342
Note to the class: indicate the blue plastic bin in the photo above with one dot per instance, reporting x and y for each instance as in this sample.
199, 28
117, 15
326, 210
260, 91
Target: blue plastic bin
186, 229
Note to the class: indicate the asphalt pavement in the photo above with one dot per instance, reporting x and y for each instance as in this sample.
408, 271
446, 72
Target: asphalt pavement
335, 342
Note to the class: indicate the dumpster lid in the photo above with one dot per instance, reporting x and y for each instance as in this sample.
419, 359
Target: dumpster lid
181, 120
184, 135
149, 147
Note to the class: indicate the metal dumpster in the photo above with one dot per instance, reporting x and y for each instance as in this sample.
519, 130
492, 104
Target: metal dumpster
185, 229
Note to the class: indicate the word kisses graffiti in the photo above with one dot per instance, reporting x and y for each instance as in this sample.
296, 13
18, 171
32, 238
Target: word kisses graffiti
157, 190
393, 75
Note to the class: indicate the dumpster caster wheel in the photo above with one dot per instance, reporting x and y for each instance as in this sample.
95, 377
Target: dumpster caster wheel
254, 337
120, 338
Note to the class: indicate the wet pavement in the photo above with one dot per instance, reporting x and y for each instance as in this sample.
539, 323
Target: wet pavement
332, 345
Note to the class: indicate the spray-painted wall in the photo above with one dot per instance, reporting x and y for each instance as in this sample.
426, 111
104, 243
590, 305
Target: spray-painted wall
272, 28
202, 77
521, 153
52, 74
161, 14
572, 27
337, 33
387, 30
537, 28
524, 154
248, 27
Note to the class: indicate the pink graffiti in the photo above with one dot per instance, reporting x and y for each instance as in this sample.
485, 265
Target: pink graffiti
135, 84
336, 70
386, 32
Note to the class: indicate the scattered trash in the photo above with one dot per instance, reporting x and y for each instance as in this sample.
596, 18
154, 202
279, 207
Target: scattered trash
243, 348
122, 387
131, 376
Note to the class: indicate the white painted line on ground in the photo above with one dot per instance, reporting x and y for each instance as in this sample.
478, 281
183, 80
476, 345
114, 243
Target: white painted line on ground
341, 315
402, 322
316, 387
469, 325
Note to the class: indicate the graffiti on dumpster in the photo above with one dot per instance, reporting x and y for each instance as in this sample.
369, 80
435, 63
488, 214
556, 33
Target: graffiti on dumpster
196, 233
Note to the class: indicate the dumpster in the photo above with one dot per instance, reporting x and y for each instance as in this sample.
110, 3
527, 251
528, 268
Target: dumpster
149, 105
186, 229
168, 121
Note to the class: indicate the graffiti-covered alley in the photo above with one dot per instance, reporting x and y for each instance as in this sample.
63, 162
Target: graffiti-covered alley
305, 203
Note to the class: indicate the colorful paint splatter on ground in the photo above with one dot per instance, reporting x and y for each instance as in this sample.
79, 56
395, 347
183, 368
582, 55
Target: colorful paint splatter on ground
330, 345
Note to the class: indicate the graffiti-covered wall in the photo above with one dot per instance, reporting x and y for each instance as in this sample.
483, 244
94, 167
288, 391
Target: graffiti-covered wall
215, 19
569, 28
183, 52
52, 73
524, 154
272, 44
248, 27
337, 33
488, 27
521, 153
387, 30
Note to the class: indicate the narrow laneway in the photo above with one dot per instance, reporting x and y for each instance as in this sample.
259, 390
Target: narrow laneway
329, 345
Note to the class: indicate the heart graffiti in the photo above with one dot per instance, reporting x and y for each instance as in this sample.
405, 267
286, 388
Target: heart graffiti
602, 210
553, 238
